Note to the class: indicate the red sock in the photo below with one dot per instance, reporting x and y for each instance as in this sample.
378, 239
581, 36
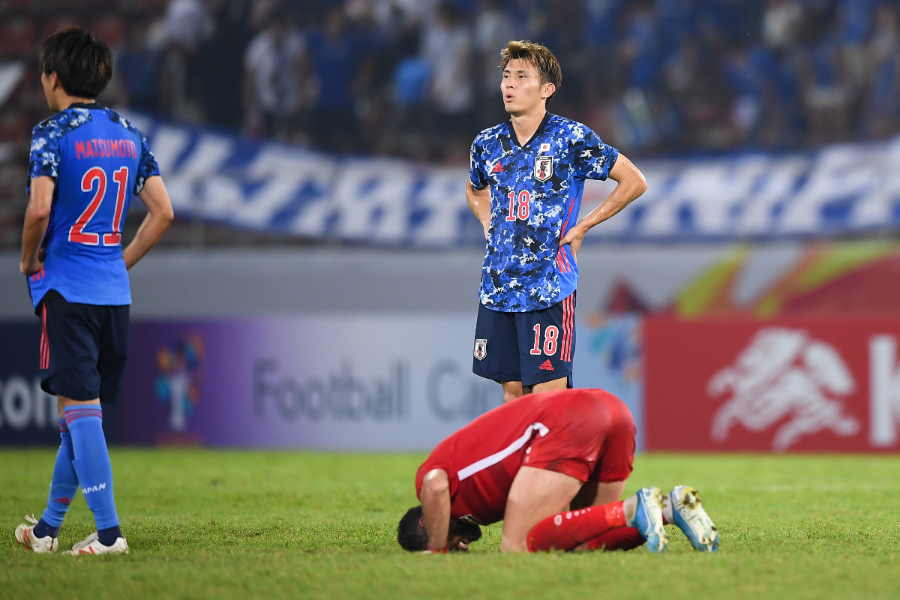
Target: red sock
618, 538
566, 530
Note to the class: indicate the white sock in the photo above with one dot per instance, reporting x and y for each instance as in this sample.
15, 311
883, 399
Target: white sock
667, 510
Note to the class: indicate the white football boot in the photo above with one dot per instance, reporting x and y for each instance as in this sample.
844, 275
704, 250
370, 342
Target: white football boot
91, 545
84, 543
25, 536
648, 518
688, 514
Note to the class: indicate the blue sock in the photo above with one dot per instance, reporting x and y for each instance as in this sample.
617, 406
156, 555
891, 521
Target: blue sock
92, 465
62, 487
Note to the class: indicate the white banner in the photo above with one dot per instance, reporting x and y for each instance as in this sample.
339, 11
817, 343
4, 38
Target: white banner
839, 190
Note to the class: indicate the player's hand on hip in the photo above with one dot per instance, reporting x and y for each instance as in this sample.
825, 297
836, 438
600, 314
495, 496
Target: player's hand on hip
574, 237
30, 267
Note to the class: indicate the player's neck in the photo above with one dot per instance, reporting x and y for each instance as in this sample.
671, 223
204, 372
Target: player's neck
525, 124
65, 101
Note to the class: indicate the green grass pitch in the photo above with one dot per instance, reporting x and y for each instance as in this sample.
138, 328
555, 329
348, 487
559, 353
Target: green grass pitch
242, 524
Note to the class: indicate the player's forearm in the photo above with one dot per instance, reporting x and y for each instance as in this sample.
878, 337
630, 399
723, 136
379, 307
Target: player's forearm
437, 520
629, 187
479, 207
32, 233
480, 204
148, 234
483, 214
624, 194
435, 498
630, 184
473, 203
37, 218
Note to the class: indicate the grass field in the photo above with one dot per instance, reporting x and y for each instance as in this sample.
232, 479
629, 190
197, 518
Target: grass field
228, 524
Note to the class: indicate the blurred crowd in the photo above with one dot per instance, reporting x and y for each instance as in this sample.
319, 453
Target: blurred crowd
417, 78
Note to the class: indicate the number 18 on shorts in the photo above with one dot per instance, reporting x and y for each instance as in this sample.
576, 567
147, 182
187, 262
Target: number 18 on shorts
531, 347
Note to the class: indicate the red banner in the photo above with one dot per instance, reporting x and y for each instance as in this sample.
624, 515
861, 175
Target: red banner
809, 385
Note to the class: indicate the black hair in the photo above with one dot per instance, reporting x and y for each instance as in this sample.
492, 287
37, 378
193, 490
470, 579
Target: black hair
82, 62
465, 527
411, 534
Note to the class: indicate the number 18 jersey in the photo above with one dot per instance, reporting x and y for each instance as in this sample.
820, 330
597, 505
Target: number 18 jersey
98, 161
536, 191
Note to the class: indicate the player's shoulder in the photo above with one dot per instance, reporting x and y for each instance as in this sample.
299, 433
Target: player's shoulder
63, 122
569, 127
489, 134
116, 118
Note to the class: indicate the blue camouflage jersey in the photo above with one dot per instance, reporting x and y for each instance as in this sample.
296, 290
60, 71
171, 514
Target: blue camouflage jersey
98, 161
536, 192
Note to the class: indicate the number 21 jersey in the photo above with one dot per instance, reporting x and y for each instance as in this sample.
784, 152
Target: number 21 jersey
98, 161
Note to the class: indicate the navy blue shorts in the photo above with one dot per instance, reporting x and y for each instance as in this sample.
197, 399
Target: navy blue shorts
83, 348
531, 347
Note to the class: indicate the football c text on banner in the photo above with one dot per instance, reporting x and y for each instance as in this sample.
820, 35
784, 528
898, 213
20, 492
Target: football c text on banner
340, 382
361, 381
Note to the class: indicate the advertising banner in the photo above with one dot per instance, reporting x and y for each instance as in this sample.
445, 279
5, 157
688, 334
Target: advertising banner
609, 356
365, 382
27, 414
329, 382
789, 384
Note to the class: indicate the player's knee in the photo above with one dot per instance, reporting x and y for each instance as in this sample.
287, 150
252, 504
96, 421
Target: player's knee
512, 390
509, 396
560, 383
63, 402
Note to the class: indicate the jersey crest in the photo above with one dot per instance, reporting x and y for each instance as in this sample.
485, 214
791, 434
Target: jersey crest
480, 349
543, 168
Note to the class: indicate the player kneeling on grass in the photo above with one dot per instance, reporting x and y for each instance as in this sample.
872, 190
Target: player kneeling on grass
552, 466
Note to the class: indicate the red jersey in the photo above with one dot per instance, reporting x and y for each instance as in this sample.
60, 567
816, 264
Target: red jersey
587, 434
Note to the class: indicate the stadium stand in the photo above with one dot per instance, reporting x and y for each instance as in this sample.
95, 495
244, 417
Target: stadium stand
416, 79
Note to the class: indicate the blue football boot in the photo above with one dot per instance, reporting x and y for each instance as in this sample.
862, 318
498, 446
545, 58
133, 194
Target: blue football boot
648, 518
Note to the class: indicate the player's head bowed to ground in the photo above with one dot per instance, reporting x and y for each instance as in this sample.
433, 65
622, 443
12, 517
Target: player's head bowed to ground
411, 533
552, 466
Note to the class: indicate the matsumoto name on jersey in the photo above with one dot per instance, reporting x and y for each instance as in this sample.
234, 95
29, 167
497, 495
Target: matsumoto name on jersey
536, 192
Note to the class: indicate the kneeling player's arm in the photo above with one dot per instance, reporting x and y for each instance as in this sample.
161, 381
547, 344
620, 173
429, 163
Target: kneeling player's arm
159, 217
37, 217
435, 497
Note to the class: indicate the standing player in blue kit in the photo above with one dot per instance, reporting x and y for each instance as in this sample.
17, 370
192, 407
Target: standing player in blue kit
525, 186
86, 162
